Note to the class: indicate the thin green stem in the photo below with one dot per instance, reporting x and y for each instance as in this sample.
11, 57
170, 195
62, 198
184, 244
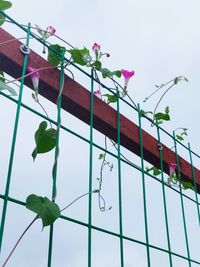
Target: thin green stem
161, 99
76, 199
20, 238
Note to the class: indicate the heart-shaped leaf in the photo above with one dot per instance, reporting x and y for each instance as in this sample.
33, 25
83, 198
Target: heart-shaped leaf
45, 139
96, 65
79, 56
111, 98
55, 55
46, 209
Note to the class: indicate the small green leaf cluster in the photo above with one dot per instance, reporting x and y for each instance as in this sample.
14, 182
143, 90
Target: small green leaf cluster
171, 180
111, 98
154, 170
105, 162
180, 137
160, 116
81, 57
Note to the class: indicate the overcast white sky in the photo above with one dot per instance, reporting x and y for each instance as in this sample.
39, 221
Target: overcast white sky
159, 40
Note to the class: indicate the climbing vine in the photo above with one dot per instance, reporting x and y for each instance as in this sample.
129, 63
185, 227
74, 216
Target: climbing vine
45, 135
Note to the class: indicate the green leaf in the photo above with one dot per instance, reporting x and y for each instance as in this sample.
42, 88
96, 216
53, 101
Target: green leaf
179, 137
106, 73
187, 185
111, 98
96, 65
79, 55
2, 19
156, 171
118, 73
53, 57
4, 86
101, 155
2, 76
5, 5
142, 112
162, 116
46, 209
45, 139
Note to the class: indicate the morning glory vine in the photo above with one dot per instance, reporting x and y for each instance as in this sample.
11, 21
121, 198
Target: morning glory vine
45, 137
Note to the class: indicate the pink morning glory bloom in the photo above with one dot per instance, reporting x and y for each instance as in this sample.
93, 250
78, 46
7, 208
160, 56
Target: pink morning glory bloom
35, 76
172, 168
50, 30
96, 47
127, 75
97, 93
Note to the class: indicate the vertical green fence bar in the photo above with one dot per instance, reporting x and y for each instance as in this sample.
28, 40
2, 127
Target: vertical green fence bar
119, 183
144, 189
195, 184
54, 170
8, 181
164, 198
90, 173
182, 203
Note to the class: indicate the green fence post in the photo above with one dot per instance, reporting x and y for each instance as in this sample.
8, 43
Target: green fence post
182, 202
164, 197
6, 194
119, 183
195, 184
144, 188
90, 172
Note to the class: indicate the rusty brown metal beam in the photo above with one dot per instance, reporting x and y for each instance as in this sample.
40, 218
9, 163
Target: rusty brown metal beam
76, 100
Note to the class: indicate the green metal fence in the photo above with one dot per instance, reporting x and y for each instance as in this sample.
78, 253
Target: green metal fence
153, 194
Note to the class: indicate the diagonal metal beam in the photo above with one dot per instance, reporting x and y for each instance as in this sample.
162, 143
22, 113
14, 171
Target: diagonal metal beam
76, 100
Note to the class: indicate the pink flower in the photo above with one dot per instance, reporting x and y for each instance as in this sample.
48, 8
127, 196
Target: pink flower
127, 75
96, 47
50, 30
172, 168
35, 76
97, 93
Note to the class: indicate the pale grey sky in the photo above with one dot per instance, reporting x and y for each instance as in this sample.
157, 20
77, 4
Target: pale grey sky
159, 40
